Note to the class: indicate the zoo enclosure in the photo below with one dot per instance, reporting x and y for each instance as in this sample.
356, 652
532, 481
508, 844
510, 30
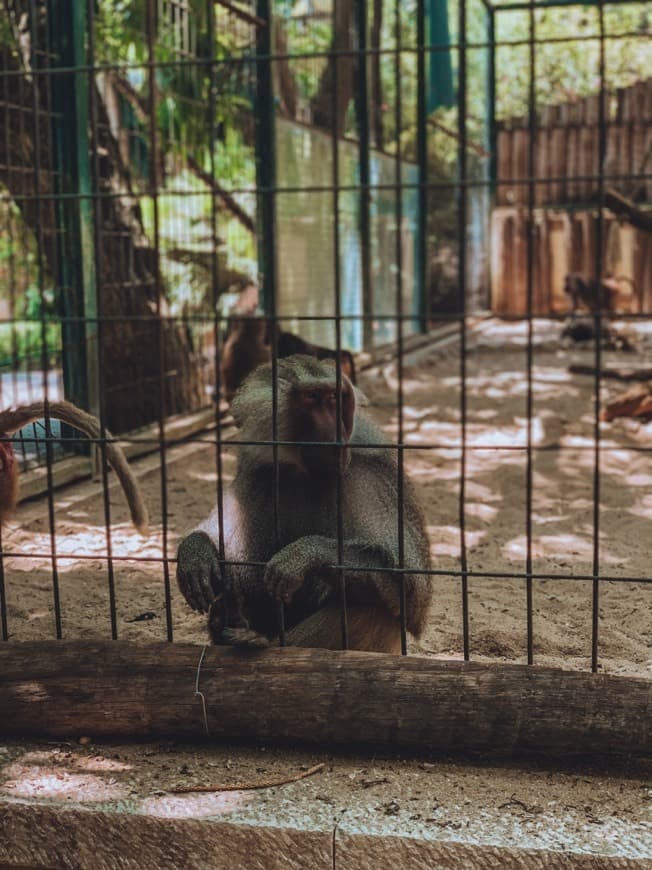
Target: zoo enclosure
128, 236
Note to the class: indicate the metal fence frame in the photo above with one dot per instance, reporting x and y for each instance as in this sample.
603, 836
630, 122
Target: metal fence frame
77, 200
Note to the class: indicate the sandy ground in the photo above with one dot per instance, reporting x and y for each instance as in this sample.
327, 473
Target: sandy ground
495, 514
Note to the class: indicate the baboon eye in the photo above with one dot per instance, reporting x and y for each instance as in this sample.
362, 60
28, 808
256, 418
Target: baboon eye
312, 395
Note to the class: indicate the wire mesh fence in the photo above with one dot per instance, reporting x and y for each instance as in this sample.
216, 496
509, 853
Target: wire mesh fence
383, 180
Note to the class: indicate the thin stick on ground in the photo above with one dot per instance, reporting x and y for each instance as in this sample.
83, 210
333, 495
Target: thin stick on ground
248, 786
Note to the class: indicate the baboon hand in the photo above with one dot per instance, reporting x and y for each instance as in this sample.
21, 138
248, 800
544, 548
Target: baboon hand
198, 571
287, 571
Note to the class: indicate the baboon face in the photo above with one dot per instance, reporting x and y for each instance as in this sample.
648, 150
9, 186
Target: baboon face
313, 413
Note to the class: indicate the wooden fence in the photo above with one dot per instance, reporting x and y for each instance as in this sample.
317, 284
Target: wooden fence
567, 149
565, 164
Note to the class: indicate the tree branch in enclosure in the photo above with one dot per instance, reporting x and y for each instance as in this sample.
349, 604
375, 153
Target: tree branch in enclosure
356, 700
140, 107
242, 14
236, 210
284, 83
619, 204
636, 402
124, 87
470, 144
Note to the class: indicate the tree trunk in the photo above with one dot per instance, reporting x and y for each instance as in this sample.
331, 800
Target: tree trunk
330, 103
376, 79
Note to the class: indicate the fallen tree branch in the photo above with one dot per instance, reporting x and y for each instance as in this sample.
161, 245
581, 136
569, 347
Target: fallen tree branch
612, 374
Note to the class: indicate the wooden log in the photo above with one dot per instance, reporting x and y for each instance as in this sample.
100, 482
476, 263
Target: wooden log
291, 695
636, 402
620, 374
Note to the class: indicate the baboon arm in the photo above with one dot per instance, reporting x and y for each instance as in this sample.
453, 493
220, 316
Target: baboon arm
366, 570
198, 566
198, 570
232, 520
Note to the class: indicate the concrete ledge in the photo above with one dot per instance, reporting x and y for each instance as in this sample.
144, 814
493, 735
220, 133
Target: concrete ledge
49, 837
106, 806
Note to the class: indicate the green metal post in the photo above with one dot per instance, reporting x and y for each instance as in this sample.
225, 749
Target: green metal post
423, 295
264, 114
364, 218
76, 267
492, 134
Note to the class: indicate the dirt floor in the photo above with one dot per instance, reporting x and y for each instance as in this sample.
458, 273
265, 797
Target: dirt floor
495, 513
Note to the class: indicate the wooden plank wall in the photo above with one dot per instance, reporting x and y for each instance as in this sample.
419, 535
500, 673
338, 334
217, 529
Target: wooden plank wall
566, 154
567, 147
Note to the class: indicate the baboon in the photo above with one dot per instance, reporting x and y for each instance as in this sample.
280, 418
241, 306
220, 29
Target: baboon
249, 342
294, 553
13, 419
595, 295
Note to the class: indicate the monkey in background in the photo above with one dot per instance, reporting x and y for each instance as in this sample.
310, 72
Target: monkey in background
249, 343
595, 295
296, 559
13, 419
246, 347
289, 344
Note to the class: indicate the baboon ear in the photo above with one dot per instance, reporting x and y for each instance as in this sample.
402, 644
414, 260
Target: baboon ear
245, 401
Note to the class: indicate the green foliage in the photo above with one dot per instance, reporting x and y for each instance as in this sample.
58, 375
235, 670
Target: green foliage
185, 85
568, 70
21, 345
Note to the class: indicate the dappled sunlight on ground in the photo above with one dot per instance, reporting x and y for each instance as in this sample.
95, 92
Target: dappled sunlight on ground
563, 458
193, 806
26, 779
561, 546
124, 776
562, 472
